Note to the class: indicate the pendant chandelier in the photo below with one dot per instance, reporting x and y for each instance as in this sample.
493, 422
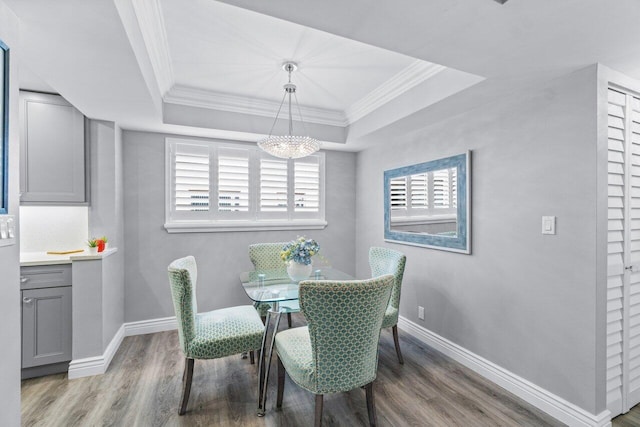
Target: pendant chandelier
289, 146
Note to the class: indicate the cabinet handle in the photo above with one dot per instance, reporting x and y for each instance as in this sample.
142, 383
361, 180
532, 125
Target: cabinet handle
27, 300
24, 279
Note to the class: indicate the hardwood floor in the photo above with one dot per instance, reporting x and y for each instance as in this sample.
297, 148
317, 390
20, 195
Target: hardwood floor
143, 384
630, 419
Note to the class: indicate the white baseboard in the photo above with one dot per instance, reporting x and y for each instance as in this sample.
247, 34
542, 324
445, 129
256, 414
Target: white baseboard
542, 399
151, 326
96, 365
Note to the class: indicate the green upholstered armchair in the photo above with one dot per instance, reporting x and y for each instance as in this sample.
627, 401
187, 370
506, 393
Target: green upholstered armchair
338, 350
266, 258
387, 261
209, 335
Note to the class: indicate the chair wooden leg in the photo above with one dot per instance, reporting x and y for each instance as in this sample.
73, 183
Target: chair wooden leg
371, 406
281, 372
289, 319
318, 416
397, 343
252, 358
187, 376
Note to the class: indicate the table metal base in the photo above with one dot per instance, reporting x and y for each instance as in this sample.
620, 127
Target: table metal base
263, 371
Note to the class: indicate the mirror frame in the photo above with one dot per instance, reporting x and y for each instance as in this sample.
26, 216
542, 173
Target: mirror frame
4, 131
462, 241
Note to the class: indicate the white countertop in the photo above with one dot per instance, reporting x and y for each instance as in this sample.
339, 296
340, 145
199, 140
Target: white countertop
42, 258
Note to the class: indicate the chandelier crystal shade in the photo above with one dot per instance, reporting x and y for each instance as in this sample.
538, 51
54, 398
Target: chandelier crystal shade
289, 146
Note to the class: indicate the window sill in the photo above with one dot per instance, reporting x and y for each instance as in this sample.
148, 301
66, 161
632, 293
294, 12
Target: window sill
226, 226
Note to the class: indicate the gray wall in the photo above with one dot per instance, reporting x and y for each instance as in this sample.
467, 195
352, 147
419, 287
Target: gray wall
522, 300
220, 256
10, 255
106, 218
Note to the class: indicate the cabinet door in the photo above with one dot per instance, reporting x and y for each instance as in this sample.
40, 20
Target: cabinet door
46, 326
52, 150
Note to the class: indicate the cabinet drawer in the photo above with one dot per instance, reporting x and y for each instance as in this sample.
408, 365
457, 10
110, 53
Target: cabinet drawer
45, 276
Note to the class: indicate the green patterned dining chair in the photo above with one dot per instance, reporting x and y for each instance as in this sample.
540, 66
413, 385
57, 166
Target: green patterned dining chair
387, 261
209, 335
338, 350
266, 257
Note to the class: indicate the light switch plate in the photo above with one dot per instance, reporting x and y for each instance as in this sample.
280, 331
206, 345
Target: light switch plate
548, 225
7, 230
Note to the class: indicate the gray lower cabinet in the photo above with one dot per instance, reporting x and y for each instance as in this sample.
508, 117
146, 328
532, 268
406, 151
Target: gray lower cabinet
46, 320
52, 151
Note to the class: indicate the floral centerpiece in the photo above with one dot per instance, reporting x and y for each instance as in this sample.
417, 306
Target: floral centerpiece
297, 254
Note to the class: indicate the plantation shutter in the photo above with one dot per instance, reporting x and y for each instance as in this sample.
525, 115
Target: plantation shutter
615, 257
453, 172
190, 178
306, 187
420, 191
398, 193
273, 185
634, 255
441, 189
233, 180
212, 186
623, 260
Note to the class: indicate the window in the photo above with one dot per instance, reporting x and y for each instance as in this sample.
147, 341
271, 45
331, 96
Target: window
216, 186
425, 195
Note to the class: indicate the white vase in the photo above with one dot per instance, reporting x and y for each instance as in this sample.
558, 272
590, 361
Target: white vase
93, 251
297, 271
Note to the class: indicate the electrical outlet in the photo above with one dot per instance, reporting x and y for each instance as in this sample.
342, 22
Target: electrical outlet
420, 312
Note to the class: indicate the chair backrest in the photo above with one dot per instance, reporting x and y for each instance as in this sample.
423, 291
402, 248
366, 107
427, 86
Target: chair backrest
183, 274
387, 261
344, 325
266, 257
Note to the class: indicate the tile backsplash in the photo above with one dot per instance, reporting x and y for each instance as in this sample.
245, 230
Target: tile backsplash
53, 228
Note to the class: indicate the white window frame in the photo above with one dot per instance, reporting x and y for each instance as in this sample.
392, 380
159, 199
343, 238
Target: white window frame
214, 221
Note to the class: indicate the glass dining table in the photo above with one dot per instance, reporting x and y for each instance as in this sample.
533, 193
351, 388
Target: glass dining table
275, 288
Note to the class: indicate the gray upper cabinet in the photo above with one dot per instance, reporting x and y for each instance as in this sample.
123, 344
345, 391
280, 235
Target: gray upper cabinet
52, 150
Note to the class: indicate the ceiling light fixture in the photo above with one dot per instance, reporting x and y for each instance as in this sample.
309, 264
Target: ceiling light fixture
289, 146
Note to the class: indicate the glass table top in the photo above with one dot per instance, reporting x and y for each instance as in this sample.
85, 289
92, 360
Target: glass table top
275, 285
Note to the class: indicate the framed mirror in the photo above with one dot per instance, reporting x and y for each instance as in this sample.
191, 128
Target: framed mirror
428, 204
4, 131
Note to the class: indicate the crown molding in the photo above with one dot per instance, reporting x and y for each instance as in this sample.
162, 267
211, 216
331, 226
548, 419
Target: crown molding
152, 28
195, 97
413, 75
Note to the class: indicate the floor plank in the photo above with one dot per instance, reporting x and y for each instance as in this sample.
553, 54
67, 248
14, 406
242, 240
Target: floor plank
630, 419
143, 384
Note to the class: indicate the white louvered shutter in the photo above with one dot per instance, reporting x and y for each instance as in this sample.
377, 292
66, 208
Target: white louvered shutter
306, 186
419, 191
441, 189
634, 255
615, 257
273, 185
190, 180
220, 186
623, 260
398, 193
233, 182
453, 173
